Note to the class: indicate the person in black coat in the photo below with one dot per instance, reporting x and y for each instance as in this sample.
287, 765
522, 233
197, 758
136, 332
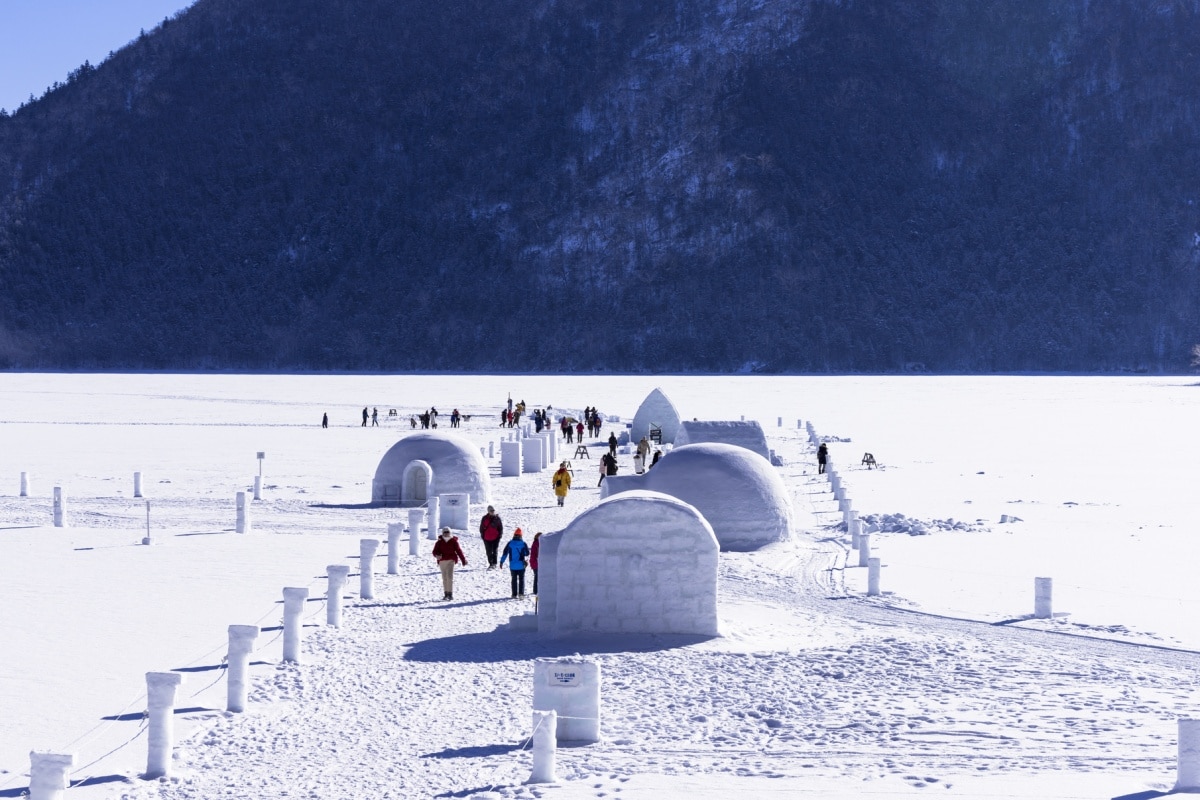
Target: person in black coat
822, 457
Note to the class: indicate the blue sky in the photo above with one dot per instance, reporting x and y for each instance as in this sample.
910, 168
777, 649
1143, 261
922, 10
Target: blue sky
43, 40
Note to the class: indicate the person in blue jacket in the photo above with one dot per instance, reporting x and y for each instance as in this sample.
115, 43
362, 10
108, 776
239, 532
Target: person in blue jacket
516, 553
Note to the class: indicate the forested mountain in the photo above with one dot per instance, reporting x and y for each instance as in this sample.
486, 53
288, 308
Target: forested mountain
626, 185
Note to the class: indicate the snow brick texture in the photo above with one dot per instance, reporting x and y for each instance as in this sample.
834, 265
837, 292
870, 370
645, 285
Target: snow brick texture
743, 434
642, 562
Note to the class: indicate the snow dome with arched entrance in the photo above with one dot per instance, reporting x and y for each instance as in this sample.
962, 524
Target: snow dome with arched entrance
425, 465
657, 410
738, 491
641, 562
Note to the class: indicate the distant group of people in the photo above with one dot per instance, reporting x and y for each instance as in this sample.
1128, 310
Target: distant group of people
510, 415
516, 553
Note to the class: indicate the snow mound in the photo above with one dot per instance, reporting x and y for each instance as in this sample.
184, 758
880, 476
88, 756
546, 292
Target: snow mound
898, 523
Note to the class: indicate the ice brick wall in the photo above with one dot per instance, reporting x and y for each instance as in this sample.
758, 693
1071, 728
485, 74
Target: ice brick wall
641, 562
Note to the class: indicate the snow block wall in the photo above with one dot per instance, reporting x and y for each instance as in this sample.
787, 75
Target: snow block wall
658, 410
403, 475
743, 434
641, 562
738, 492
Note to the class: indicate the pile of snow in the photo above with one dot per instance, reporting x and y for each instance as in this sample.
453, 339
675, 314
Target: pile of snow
898, 523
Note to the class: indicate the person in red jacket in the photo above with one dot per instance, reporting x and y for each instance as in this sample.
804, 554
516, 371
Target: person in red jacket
533, 555
447, 552
491, 529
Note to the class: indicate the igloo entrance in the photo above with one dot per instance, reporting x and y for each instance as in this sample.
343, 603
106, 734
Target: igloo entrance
415, 483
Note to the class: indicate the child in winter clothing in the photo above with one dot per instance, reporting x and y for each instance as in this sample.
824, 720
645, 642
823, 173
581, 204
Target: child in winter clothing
516, 553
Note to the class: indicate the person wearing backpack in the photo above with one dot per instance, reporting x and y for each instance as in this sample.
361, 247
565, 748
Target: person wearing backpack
516, 553
561, 482
491, 530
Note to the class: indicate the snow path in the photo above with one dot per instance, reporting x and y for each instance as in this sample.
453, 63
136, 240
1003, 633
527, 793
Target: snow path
419, 698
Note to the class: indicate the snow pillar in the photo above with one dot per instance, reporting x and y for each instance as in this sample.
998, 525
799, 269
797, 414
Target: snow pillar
160, 708
367, 548
49, 774
553, 440
1043, 590
491, 449
864, 549
872, 577
241, 645
294, 598
243, 514
366, 575
531, 452
395, 530
414, 530
855, 532
337, 574
454, 510
60, 507
510, 459
258, 487
433, 519
1189, 756
570, 687
779, 422
24, 484
545, 746
137, 484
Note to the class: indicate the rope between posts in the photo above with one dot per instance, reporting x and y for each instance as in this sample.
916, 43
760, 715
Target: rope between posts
528, 742
144, 727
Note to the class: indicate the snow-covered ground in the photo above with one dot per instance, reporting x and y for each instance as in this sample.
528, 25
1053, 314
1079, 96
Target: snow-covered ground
943, 684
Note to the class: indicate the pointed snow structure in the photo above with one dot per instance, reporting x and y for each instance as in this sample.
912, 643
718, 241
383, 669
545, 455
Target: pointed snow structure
658, 411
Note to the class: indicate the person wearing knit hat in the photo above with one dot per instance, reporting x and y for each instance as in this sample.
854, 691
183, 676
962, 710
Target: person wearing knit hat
448, 552
516, 553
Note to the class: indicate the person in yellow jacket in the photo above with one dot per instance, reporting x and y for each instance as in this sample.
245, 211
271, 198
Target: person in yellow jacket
561, 482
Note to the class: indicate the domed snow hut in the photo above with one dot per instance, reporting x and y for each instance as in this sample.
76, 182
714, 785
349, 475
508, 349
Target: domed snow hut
641, 562
425, 465
656, 410
738, 492
744, 434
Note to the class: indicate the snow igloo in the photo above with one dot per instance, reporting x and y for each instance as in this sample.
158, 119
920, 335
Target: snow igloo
656, 410
641, 562
738, 492
743, 434
425, 465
